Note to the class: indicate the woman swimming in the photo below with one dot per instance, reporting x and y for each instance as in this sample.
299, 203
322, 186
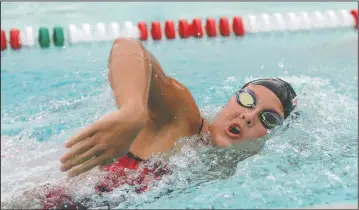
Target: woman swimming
155, 110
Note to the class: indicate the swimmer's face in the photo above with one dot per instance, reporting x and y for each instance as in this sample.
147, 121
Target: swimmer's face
247, 120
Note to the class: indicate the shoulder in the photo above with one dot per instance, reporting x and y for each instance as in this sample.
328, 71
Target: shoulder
190, 114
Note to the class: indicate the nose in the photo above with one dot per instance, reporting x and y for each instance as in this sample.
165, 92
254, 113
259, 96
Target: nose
248, 117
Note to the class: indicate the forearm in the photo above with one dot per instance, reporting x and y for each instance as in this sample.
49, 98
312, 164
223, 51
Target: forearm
130, 74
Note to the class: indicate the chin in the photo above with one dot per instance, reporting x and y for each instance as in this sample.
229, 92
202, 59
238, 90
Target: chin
220, 141
218, 137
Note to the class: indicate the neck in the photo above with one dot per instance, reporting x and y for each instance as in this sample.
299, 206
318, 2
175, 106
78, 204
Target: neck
206, 132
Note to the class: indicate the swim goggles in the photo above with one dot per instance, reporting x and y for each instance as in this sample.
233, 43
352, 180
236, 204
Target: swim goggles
268, 118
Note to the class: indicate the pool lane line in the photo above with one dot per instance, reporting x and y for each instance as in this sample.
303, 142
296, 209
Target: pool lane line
238, 25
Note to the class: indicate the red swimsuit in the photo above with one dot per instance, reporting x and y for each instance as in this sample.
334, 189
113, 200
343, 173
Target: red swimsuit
120, 173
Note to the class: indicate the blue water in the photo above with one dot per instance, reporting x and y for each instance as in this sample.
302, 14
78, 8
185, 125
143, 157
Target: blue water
48, 95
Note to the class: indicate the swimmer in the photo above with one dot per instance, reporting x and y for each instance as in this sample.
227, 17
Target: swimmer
155, 110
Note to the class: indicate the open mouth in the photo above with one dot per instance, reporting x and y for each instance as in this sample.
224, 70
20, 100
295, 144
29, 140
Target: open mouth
233, 131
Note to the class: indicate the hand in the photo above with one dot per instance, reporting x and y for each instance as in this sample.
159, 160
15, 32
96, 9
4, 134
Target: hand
111, 135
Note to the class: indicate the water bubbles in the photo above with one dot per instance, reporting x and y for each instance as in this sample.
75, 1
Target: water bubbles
281, 65
271, 178
281, 169
333, 179
231, 79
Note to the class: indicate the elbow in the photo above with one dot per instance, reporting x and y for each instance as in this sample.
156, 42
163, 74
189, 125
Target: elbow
127, 47
128, 43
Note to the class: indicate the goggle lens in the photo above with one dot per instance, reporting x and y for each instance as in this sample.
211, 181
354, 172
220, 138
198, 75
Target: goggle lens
270, 120
246, 98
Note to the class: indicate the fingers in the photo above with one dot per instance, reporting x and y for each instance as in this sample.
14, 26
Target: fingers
85, 133
87, 165
77, 150
80, 159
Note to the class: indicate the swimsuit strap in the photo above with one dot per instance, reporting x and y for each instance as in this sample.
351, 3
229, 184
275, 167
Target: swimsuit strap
131, 155
200, 128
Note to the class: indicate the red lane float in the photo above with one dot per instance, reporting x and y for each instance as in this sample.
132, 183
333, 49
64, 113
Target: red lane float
142, 27
156, 30
211, 27
3, 40
15, 39
196, 28
170, 29
184, 29
238, 28
224, 26
355, 15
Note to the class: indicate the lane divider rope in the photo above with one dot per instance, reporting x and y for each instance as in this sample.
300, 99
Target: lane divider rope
238, 25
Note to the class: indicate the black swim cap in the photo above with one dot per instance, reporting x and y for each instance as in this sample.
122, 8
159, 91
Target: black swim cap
282, 89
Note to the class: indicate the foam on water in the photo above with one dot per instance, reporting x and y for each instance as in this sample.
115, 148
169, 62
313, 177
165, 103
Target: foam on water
313, 161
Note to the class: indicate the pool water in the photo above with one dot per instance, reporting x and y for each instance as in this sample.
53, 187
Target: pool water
48, 95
